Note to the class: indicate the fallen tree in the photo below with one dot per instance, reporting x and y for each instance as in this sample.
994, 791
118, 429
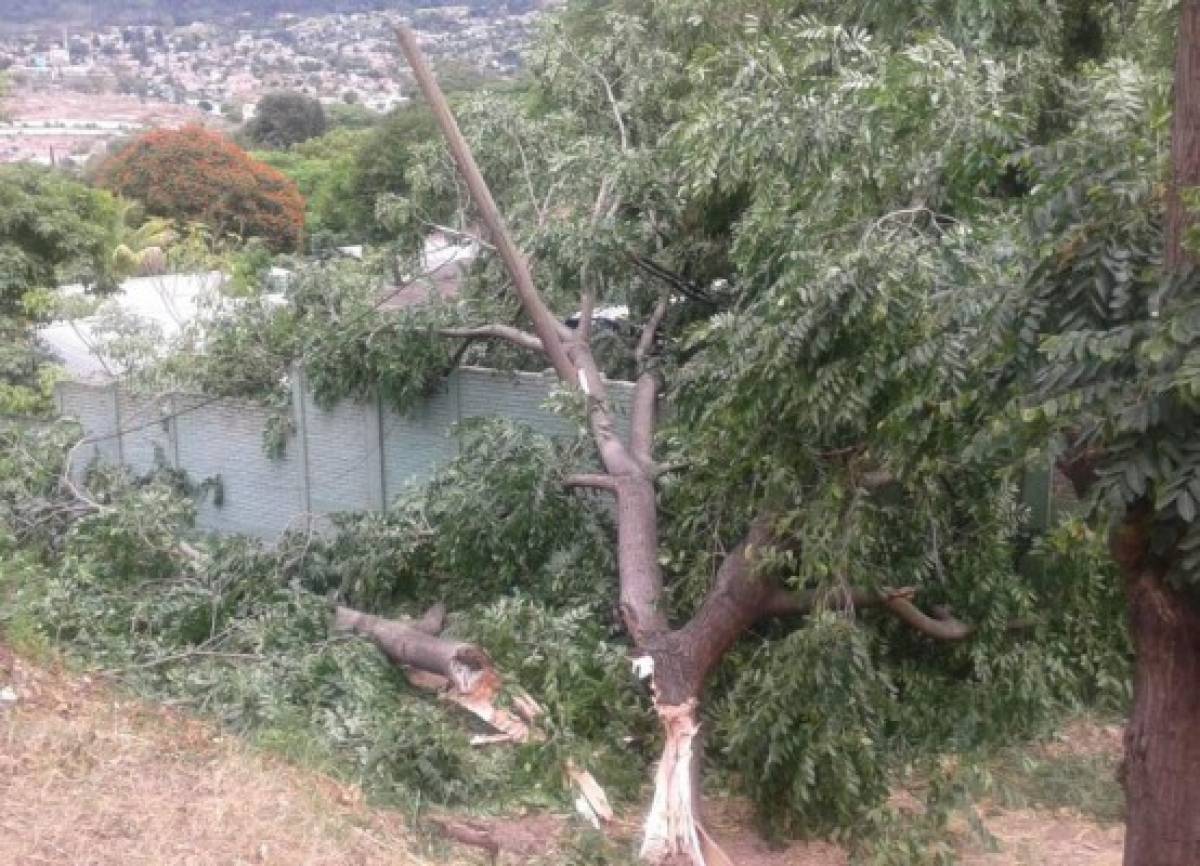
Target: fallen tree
675, 660
798, 233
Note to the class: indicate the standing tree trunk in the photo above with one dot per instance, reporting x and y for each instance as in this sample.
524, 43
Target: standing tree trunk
1162, 743
1185, 133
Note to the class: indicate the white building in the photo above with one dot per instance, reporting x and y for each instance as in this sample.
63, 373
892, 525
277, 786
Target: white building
160, 307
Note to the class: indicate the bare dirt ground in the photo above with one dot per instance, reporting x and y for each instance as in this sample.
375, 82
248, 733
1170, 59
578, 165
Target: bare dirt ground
91, 778
1040, 838
57, 103
88, 778
1058, 837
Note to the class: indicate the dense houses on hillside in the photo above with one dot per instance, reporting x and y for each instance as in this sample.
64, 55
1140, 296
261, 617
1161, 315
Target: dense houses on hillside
221, 69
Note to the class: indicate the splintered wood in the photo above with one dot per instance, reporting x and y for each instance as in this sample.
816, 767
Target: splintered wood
459, 672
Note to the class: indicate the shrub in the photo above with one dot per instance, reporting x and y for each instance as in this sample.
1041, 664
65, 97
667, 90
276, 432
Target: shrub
192, 174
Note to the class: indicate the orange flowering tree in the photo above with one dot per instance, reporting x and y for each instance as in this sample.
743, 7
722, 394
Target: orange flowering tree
195, 174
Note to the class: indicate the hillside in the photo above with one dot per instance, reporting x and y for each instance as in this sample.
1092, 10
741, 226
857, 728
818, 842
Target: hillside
108, 779
25, 14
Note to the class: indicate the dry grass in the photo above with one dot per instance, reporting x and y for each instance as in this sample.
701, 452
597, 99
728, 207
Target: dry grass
1070, 784
88, 777
1041, 838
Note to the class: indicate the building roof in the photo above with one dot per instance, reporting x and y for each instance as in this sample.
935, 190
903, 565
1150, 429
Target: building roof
444, 262
164, 304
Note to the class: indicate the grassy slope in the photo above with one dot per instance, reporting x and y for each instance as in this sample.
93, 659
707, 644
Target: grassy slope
90, 776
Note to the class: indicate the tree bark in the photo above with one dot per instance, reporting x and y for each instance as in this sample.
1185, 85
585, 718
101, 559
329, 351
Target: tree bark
462, 672
1185, 133
1162, 742
416, 644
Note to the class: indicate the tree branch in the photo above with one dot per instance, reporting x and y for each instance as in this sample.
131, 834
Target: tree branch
513, 335
941, 625
587, 304
572, 359
650, 331
608, 92
643, 413
600, 482
545, 324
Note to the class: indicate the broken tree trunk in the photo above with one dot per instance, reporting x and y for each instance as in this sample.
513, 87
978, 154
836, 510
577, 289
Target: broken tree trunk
417, 644
462, 672
676, 661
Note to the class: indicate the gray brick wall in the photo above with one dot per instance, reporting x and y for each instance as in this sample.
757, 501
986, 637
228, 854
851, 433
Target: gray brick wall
354, 457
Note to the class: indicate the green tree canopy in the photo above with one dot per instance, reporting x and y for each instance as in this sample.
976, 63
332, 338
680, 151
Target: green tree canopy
284, 119
51, 228
829, 207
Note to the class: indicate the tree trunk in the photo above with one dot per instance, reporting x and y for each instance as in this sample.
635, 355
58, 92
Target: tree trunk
672, 827
1185, 132
416, 644
1162, 743
682, 661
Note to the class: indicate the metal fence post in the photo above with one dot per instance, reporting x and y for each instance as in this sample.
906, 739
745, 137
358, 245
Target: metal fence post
455, 385
116, 403
375, 477
173, 429
300, 413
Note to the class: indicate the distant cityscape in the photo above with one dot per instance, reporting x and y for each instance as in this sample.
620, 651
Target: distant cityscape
73, 92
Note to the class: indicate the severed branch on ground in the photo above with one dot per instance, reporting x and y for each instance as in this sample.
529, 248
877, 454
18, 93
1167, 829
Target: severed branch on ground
461, 672
464, 674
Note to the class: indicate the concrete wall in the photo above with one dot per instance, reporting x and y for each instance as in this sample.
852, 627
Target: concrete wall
355, 457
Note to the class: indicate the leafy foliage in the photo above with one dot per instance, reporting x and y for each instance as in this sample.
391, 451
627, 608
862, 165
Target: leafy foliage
436, 542
836, 732
1110, 337
52, 230
338, 208
352, 177
285, 119
191, 174
241, 632
866, 217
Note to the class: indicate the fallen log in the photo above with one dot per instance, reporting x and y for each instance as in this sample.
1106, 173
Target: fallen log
416, 643
461, 672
